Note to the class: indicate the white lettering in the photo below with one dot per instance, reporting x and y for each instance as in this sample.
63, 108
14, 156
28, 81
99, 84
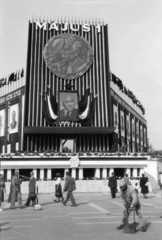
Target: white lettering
54, 26
74, 29
40, 26
98, 28
86, 27
65, 27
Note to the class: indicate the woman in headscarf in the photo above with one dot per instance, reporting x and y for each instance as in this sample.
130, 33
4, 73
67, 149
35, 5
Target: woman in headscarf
58, 188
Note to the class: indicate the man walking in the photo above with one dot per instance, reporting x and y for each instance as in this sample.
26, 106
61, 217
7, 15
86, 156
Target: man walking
113, 185
16, 190
130, 201
69, 187
32, 188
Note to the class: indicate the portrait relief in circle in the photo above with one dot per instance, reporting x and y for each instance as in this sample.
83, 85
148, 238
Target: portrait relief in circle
68, 55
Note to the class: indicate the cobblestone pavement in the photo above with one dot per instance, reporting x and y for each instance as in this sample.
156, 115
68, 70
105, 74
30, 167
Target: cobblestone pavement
95, 217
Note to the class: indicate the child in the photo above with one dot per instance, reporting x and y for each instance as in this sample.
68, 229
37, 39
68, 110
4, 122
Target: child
2, 190
136, 187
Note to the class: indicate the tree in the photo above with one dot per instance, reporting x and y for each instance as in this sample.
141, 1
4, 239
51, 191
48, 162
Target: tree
150, 147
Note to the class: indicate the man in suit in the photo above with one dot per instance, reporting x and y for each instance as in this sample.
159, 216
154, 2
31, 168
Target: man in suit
69, 187
113, 185
13, 125
69, 112
32, 188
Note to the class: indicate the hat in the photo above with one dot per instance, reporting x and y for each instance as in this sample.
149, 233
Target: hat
122, 183
58, 175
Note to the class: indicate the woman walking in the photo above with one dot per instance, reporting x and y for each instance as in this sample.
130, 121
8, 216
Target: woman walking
144, 185
2, 190
58, 188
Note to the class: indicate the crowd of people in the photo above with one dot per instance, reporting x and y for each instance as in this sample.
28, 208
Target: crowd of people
128, 193
15, 194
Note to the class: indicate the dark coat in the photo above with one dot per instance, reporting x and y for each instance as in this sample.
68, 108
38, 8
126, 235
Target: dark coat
144, 188
112, 182
73, 116
32, 185
69, 184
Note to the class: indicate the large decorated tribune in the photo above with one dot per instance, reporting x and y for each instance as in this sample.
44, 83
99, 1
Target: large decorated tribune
67, 85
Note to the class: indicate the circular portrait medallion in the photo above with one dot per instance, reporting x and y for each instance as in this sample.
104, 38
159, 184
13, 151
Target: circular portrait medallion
68, 56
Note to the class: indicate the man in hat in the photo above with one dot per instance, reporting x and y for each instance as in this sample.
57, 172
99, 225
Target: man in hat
16, 190
130, 201
32, 189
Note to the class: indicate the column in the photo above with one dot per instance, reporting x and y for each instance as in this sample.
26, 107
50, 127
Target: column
9, 174
35, 173
65, 170
141, 171
134, 172
104, 173
128, 171
111, 170
2, 172
80, 173
49, 173
42, 174
97, 173
73, 173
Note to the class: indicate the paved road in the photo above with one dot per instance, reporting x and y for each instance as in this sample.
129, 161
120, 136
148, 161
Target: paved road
95, 218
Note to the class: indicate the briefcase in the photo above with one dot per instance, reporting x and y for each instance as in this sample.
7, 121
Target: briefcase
32, 196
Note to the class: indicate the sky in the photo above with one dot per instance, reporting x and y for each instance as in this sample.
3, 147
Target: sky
135, 44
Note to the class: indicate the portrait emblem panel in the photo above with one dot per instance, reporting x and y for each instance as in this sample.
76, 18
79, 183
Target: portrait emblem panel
68, 106
2, 122
14, 116
68, 56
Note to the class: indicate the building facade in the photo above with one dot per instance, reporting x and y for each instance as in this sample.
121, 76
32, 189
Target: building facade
69, 105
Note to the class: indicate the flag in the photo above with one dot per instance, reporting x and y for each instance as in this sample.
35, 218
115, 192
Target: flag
84, 100
87, 122
46, 113
12, 77
22, 73
18, 75
114, 78
54, 104
2, 82
119, 83
125, 90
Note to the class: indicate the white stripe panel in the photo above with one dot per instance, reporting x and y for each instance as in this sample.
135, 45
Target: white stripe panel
8, 148
17, 146
3, 149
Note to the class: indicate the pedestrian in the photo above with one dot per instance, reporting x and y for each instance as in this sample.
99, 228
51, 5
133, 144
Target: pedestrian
2, 190
16, 190
113, 185
58, 188
69, 186
131, 202
144, 185
136, 187
32, 189
127, 180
